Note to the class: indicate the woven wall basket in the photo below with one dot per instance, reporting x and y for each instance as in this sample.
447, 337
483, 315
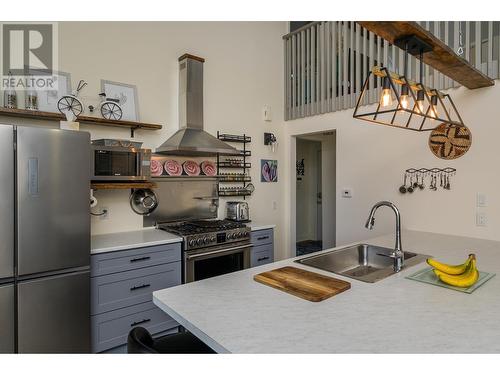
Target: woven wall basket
449, 141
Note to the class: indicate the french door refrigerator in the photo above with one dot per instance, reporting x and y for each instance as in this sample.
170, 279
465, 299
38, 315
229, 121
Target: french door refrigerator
44, 240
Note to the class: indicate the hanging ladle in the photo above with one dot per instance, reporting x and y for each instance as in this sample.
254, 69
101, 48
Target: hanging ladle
402, 188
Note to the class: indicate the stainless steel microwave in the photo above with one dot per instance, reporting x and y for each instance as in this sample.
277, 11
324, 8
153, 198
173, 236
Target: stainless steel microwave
114, 163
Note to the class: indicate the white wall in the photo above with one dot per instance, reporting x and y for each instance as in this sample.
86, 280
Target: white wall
243, 72
371, 160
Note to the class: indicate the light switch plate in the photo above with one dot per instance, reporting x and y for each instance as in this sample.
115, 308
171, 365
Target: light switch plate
481, 220
480, 200
266, 113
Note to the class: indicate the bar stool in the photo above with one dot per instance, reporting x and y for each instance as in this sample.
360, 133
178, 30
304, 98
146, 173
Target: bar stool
140, 341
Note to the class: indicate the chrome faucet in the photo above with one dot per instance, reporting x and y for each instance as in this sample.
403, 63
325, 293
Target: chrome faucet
397, 254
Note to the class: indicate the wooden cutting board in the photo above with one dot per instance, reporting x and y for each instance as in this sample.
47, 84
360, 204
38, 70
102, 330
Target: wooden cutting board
301, 283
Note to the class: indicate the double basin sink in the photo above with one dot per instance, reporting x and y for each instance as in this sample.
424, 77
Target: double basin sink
362, 262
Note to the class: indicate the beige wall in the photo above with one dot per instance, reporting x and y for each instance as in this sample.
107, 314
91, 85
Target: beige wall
243, 72
371, 160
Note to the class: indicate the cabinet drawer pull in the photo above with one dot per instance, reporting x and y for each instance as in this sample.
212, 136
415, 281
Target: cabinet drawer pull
140, 286
140, 322
262, 238
261, 259
139, 259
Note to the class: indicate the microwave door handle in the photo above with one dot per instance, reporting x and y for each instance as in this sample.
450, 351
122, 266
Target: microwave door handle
231, 249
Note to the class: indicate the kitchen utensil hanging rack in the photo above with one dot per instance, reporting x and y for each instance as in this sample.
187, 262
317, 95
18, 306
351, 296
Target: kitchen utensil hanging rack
432, 170
241, 163
416, 177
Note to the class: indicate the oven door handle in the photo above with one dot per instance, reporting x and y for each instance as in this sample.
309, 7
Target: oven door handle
231, 249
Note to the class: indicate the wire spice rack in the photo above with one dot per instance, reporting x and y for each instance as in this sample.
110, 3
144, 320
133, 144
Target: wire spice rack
235, 162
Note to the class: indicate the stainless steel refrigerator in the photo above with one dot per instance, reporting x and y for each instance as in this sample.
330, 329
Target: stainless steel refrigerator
44, 240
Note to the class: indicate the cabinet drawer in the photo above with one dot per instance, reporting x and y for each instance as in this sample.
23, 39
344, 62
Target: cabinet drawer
126, 260
262, 255
261, 237
111, 329
111, 292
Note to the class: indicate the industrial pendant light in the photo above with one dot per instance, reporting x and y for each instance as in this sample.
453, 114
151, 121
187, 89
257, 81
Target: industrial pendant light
386, 95
404, 103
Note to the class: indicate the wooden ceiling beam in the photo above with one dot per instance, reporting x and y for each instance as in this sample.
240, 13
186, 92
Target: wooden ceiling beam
442, 57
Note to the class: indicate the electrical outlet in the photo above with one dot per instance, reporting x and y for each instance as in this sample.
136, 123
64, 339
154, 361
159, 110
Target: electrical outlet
481, 220
346, 193
105, 213
275, 205
480, 200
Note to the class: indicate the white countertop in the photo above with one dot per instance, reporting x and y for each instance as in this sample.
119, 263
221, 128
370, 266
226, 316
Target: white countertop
103, 243
255, 225
233, 313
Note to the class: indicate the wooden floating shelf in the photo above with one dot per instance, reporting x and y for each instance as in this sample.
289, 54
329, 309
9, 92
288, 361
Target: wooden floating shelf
442, 57
54, 116
167, 177
122, 185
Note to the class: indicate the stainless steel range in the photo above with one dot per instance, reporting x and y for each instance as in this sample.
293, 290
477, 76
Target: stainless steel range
211, 247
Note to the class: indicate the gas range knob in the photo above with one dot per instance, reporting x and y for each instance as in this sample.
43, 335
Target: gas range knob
230, 236
192, 242
206, 240
199, 241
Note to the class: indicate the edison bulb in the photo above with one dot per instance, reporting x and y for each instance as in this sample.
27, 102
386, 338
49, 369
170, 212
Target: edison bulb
386, 98
403, 98
405, 102
420, 106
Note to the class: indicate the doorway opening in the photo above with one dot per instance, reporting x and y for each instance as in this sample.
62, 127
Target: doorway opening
315, 192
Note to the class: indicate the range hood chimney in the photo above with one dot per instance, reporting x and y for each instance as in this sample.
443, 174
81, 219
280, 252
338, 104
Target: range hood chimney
191, 139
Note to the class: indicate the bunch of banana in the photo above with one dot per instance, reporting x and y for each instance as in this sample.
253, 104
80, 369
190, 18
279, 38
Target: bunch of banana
463, 275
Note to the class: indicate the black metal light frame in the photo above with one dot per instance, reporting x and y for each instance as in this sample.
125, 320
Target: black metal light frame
431, 96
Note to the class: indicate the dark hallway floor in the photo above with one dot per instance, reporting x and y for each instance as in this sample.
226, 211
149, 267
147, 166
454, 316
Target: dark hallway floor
308, 246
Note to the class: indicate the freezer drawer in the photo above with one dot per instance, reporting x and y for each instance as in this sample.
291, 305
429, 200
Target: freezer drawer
53, 177
7, 321
54, 314
123, 289
7, 201
111, 329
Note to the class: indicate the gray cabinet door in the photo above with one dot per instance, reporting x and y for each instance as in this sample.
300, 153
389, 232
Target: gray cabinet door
262, 237
118, 290
54, 314
7, 201
263, 254
53, 168
7, 321
126, 260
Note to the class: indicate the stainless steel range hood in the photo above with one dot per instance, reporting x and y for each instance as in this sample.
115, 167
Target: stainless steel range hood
191, 139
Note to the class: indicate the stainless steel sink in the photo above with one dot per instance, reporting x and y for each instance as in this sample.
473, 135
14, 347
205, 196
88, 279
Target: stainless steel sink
362, 262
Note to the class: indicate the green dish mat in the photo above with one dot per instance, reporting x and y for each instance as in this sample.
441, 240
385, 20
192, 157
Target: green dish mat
427, 276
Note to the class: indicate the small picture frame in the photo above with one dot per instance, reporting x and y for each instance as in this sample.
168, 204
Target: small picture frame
268, 170
127, 96
47, 99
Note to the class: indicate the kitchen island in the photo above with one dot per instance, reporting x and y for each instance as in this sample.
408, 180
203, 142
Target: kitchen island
234, 314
